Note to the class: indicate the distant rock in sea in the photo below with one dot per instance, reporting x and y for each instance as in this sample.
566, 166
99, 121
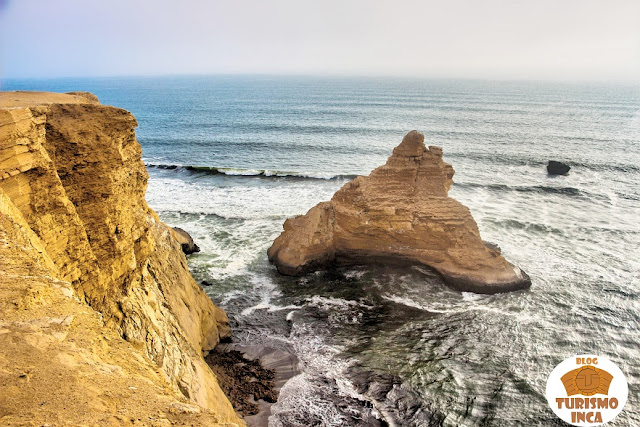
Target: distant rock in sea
557, 168
400, 213
186, 241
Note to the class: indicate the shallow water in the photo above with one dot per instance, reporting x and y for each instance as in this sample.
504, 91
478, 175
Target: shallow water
395, 343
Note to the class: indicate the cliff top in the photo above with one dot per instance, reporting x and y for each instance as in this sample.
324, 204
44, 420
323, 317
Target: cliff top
33, 99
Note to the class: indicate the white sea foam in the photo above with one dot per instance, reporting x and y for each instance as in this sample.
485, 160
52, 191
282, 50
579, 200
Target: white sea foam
240, 172
411, 303
264, 200
307, 396
331, 302
269, 307
299, 400
470, 296
230, 296
355, 274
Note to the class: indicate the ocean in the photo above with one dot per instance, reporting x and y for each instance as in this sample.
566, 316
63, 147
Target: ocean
231, 157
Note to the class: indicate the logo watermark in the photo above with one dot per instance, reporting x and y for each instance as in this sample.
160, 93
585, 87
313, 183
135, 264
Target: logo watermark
587, 390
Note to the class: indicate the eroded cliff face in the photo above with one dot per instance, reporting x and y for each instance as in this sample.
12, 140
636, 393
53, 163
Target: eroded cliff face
79, 239
401, 212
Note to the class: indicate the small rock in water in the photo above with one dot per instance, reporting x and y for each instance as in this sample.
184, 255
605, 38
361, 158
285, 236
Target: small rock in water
188, 246
557, 168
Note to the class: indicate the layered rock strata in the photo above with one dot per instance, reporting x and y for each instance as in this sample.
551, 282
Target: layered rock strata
400, 213
96, 300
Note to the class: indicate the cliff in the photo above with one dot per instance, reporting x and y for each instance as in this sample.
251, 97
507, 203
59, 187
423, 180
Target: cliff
100, 319
400, 213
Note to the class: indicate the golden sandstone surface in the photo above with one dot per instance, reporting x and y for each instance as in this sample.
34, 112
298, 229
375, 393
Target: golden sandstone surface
100, 320
400, 213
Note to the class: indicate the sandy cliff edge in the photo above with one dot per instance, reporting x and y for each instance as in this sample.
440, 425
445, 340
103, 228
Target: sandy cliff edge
100, 319
400, 213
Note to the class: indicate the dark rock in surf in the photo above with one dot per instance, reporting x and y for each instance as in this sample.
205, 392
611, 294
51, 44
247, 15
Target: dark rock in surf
492, 246
244, 381
557, 168
186, 241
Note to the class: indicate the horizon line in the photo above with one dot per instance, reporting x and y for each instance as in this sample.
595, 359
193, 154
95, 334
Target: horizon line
331, 75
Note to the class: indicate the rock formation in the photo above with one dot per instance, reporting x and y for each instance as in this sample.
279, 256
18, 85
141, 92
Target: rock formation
186, 241
100, 319
400, 213
557, 168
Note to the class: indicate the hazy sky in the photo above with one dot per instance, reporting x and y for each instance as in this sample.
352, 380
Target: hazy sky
533, 39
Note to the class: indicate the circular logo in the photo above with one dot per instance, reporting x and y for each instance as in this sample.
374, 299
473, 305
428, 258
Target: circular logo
587, 390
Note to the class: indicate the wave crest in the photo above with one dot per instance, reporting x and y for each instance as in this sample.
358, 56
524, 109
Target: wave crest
255, 173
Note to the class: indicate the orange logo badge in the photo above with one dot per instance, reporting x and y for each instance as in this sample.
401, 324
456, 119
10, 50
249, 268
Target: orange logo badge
587, 381
587, 390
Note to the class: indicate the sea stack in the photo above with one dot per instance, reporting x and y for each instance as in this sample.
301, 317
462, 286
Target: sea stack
401, 213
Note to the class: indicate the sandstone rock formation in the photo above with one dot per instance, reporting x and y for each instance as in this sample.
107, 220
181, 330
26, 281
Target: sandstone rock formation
186, 241
400, 213
100, 319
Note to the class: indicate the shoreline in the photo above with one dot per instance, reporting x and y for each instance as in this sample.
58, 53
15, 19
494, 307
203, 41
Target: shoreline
252, 377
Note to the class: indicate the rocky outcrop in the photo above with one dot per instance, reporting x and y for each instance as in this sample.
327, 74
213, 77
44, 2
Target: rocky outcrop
186, 241
557, 168
400, 213
95, 294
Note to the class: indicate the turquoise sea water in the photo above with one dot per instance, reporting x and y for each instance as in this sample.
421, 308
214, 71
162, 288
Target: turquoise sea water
378, 343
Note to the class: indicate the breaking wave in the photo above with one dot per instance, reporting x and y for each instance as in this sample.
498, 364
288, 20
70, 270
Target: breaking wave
256, 173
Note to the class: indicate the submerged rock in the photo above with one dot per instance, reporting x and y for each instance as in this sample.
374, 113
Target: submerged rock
557, 168
400, 213
186, 241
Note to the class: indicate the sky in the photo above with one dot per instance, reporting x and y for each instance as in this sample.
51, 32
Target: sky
495, 39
